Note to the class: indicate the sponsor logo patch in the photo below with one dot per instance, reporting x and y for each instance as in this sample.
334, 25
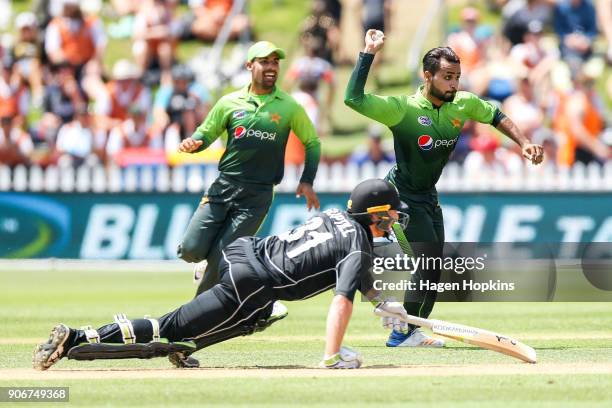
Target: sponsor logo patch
425, 142
239, 132
424, 120
239, 114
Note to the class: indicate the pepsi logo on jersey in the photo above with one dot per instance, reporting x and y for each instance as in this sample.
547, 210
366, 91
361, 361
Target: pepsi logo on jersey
241, 132
426, 142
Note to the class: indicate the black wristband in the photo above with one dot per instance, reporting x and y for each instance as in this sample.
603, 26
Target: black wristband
497, 117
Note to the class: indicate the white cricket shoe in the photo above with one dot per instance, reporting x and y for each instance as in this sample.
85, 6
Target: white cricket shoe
347, 358
415, 338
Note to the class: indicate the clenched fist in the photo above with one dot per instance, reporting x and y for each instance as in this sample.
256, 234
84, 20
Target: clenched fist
374, 41
189, 145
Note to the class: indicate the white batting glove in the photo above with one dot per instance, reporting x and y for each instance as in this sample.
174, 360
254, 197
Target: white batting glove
396, 324
345, 358
393, 316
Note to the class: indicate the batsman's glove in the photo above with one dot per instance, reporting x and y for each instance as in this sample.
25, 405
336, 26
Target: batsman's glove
393, 316
345, 358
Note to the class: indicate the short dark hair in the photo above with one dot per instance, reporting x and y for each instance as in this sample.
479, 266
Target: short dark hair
431, 60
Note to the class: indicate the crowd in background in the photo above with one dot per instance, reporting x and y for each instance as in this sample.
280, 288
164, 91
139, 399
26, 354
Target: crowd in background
539, 66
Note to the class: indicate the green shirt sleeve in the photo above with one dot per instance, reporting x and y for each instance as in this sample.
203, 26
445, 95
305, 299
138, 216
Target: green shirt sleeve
305, 131
212, 127
384, 109
480, 110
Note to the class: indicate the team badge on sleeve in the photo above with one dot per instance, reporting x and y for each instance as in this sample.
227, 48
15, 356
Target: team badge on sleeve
241, 114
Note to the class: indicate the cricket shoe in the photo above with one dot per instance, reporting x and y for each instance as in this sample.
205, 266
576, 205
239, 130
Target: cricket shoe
198, 271
180, 360
414, 338
49, 353
279, 312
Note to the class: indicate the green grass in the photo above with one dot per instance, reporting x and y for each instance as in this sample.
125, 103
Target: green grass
32, 302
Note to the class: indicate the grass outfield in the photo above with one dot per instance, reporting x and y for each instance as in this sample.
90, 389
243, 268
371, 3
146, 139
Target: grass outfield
276, 367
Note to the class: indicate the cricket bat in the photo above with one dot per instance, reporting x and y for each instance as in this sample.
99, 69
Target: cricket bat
471, 335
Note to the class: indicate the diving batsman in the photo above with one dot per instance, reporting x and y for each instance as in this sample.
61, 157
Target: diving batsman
426, 126
332, 250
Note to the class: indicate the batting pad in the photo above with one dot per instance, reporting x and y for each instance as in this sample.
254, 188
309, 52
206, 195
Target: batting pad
114, 351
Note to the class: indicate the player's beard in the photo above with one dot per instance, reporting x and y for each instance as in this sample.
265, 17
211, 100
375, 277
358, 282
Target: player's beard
268, 83
443, 96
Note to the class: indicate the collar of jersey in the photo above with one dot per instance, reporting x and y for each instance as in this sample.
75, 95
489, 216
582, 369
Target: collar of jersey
244, 92
423, 101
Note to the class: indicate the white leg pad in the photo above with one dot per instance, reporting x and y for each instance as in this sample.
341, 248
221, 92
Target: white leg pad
127, 330
155, 327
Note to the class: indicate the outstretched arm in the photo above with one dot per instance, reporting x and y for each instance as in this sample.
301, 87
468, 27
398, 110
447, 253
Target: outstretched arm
532, 152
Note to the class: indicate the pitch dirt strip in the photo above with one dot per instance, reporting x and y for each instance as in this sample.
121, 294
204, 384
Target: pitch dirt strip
281, 372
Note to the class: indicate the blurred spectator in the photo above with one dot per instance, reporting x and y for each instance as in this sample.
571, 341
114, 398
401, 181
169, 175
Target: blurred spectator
523, 107
61, 100
464, 42
604, 13
309, 72
125, 7
305, 95
74, 38
334, 8
5, 16
15, 144
28, 52
14, 98
375, 152
46, 10
154, 41
376, 15
210, 15
579, 122
76, 142
179, 107
122, 94
533, 56
496, 77
576, 26
546, 138
131, 133
322, 26
125, 11
488, 157
519, 13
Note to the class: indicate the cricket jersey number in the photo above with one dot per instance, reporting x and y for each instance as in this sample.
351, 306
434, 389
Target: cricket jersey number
315, 237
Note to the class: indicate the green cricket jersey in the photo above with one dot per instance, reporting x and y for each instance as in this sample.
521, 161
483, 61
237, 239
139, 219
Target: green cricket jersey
258, 127
424, 137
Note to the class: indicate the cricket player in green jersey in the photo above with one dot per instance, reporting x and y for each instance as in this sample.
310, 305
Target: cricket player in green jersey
425, 126
257, 119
